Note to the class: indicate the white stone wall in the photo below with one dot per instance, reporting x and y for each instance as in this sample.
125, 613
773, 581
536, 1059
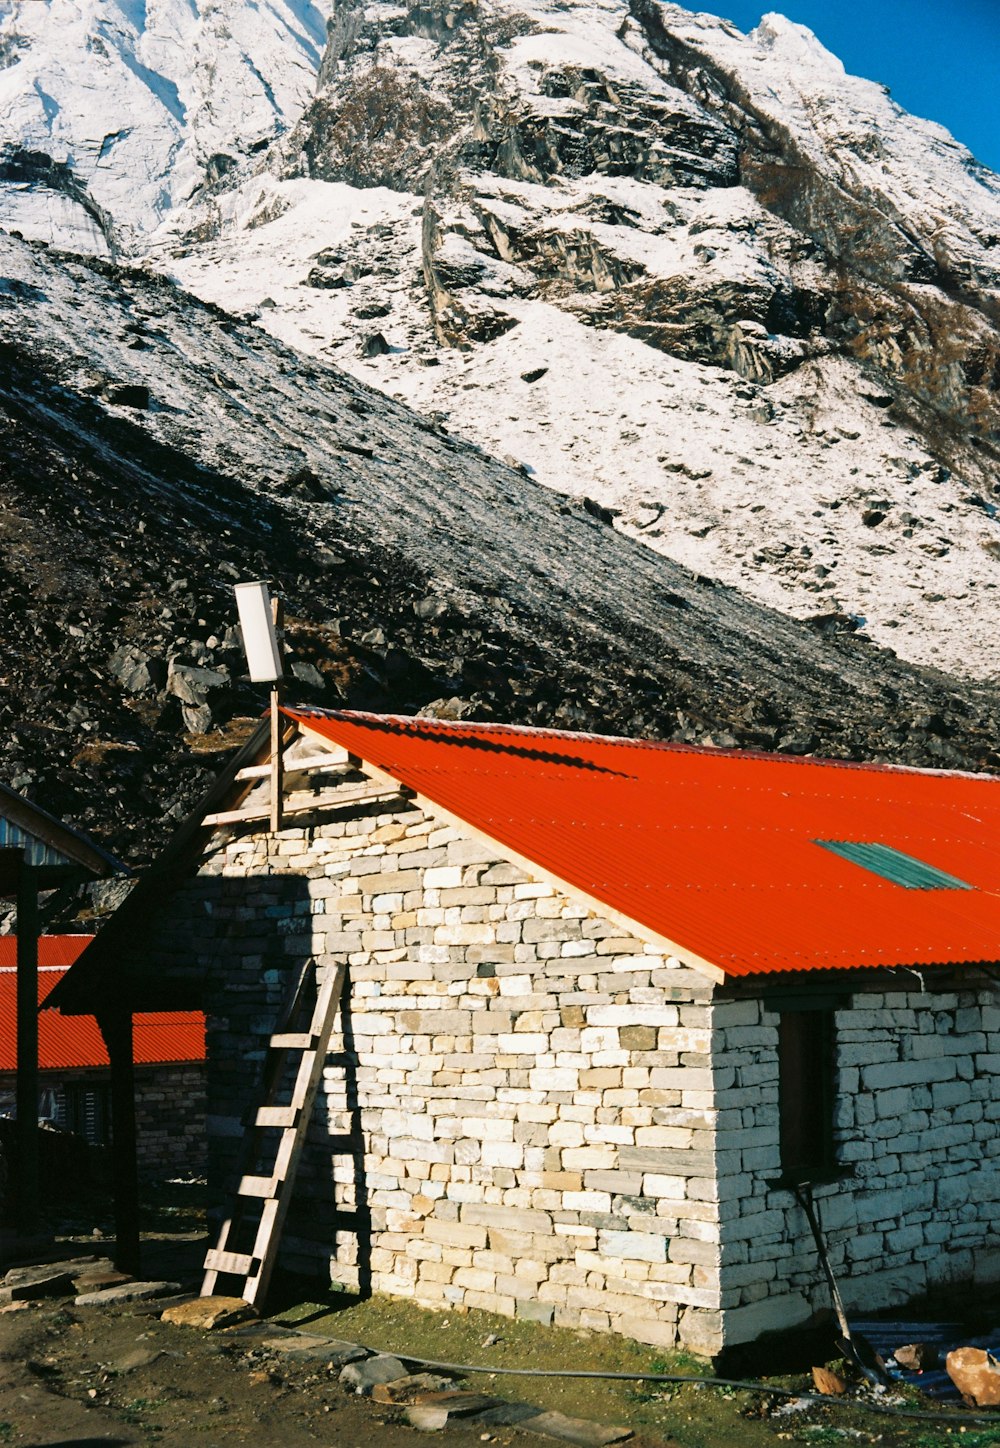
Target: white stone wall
918, 1125
534, 1086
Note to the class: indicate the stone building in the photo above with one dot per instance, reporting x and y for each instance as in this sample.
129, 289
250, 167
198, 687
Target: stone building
609, 1004
74, 1075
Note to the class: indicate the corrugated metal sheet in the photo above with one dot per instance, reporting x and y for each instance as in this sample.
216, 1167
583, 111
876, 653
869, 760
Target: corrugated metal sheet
75, 1041
715, 849
36, 851
53, 950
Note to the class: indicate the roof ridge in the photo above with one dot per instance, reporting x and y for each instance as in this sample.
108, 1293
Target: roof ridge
420, 724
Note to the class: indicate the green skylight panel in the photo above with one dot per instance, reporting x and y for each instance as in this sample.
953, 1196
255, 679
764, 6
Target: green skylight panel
893, 865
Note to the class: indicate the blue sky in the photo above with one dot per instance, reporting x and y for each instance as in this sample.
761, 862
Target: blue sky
940, 58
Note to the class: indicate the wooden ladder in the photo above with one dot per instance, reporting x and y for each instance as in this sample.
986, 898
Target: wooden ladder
273, 1192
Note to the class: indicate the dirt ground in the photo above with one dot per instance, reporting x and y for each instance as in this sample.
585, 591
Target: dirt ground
94, 1376
86, 1376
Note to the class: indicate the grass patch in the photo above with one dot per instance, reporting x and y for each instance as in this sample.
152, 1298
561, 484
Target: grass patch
686, 1415
691, 1416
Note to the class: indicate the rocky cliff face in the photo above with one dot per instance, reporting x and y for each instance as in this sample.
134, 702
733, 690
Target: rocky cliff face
155, 451
710, 279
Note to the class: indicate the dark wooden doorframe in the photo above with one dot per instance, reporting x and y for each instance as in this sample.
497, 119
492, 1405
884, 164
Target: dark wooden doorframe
27, 1197
116, 1028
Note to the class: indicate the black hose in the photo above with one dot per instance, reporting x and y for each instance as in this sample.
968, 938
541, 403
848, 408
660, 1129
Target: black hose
821, 1399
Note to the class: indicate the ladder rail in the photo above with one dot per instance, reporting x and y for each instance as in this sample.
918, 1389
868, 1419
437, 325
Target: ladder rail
275, 1191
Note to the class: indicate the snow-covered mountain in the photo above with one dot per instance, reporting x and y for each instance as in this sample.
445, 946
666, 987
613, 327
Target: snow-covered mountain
113, 112
710, 281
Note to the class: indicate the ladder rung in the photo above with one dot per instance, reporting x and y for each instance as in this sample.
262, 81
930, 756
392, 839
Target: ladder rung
257, 1186
292, 1041
285, 1116
241, 1263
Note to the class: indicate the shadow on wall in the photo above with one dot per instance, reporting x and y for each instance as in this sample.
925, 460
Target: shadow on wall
255, 940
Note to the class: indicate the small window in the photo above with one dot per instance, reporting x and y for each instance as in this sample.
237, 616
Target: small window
87, 1111
806, 1093
893, 865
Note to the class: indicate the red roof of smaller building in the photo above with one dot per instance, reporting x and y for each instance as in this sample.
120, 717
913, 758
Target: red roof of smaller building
726, 854
66, 1042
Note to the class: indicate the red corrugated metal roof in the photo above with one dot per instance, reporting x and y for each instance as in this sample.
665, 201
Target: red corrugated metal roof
76, 1041
715, 849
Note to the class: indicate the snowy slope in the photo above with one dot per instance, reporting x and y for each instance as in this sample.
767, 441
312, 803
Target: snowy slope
732, 294
156, 450
113, 111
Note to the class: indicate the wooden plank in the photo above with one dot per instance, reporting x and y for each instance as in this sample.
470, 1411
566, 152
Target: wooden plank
257, 1186
309, 765
283, 1116
300, 803
239, 1263
292, 1041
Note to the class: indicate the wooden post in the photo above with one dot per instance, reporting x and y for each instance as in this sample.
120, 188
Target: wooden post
27, 1051
277, 759
116, 1028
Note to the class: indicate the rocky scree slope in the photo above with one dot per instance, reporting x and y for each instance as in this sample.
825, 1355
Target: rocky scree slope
709, 279
153, 451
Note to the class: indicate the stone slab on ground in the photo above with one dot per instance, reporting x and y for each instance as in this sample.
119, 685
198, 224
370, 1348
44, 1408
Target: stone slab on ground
208, 1313
436, 1410
140, 1357
90, 1280
32, 1282
127, 1292
579, 1431
362, 1376
303, 1347
50, 1261
156, 1306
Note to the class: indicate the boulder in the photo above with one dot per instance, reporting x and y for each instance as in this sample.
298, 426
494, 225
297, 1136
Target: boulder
828, 1383
362, 1376
414, 1388
976, 1374
917, 1356
198, 690
194, 685
131, 667
374, 345
308, 674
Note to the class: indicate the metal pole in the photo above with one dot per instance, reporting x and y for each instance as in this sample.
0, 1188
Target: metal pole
27, 1051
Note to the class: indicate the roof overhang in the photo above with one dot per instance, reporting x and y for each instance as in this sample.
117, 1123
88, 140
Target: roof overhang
54, 852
